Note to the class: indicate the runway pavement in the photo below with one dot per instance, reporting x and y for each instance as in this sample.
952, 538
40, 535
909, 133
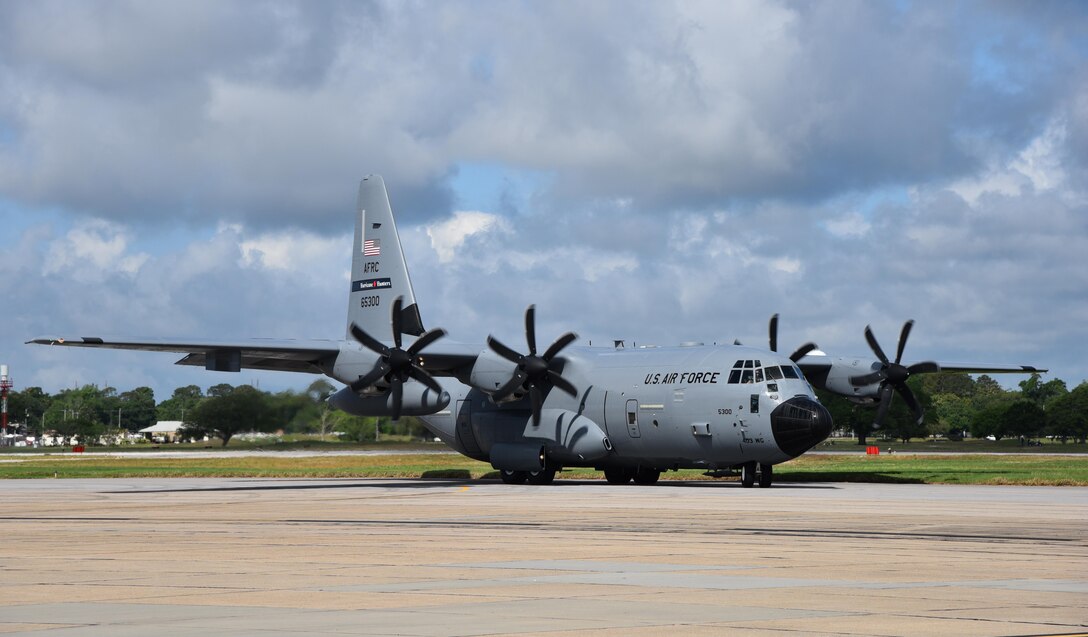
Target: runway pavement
422, 557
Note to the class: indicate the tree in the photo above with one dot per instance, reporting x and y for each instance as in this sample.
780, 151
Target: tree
228, 411
137, 409
1067, 416
1023, 418
953, 414
989, 421
30, 406
180, 404
80, 411
956, 383
1041, 393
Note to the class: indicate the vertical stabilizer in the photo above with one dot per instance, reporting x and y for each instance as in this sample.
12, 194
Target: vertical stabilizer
378, 271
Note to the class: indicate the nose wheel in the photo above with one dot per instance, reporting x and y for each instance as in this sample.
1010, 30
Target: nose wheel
751, 472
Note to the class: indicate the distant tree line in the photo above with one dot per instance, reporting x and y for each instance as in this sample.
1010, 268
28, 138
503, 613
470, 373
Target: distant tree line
955, 404
91, 413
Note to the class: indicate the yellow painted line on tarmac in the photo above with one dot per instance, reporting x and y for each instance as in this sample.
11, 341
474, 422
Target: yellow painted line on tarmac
463, 489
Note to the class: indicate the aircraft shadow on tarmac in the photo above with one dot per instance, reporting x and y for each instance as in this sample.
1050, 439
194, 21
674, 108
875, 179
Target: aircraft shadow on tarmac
442, 483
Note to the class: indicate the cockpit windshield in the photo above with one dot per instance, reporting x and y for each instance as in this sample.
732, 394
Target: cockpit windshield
749, 371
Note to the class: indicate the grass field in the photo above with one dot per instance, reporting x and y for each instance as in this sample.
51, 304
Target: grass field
897, 468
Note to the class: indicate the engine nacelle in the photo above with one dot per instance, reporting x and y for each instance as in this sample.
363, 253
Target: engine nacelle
418, 401
838, 379
491, 371
570, 436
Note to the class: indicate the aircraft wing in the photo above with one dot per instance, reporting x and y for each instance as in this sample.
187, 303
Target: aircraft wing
983, 368
815, 365
258, 353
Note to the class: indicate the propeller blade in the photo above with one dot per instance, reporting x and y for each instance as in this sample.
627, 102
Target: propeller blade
397, 388
903, 340
885, 402
873, 345
912, 402
381, 368
425, 378
530, 329
510, 387
397, 303
559, 344
503, 350
562, 383
802, 351
925, 367
536, 399
773, 332
423, 341
368, 341
867, 379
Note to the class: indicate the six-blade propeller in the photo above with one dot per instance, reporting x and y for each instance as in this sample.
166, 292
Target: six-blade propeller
799, 353
533, 372
396, 365
893, 376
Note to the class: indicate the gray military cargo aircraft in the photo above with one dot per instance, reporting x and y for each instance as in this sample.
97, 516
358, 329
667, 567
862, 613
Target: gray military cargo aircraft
631, 412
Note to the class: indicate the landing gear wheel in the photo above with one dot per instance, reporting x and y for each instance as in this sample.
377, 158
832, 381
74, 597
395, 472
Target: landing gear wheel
748, 475
545, 476
766, 473
513, 477
646, 476
618, 476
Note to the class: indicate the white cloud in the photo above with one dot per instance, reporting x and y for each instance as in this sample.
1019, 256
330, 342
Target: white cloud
449, 235
91, 251
1038, 166
295, 250
851, 224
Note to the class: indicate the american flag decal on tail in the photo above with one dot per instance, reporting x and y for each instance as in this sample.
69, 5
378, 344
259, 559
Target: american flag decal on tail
372, 248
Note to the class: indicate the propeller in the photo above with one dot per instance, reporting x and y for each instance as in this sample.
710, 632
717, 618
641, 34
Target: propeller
533, 371
799, 353
893, 376
396, 365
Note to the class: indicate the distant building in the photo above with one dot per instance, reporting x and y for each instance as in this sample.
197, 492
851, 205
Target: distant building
163, 431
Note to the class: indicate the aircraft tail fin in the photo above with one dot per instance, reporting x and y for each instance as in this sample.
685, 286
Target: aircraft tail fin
379, 273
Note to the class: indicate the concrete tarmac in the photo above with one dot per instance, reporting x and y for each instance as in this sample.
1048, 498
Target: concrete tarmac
279, 557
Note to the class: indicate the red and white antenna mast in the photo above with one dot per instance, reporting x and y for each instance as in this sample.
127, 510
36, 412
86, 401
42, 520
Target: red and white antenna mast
5, 386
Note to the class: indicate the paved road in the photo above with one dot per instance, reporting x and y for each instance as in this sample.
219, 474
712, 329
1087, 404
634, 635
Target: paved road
419, 557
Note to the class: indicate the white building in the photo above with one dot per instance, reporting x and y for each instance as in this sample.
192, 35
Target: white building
163, 431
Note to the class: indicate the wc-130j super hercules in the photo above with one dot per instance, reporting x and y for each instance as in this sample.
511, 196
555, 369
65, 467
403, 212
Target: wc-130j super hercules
632, 413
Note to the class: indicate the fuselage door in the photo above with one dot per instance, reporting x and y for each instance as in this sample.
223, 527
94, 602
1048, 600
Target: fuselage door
632, 419
464, 432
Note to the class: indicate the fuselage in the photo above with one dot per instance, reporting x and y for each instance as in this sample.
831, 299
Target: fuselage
712, 407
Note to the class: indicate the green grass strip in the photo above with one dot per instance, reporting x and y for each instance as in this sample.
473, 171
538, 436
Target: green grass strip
896, 468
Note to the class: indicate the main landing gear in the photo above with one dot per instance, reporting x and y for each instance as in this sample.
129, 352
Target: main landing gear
750, 472
623, 475
545, 476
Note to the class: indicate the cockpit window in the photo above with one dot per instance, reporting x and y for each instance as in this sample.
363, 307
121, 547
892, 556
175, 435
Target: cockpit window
747, 364
759, 375
738, 364
789, 371
746, 377
734, 376
774, 373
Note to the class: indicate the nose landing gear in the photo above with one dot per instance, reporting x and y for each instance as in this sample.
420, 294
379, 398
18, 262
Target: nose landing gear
750, 473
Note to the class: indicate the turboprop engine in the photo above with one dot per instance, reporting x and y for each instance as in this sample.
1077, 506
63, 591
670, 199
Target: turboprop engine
417, 400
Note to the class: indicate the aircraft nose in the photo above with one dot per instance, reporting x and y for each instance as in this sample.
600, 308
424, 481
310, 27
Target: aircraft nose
800, 424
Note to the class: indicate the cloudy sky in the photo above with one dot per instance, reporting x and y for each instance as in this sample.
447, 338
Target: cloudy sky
650, 171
